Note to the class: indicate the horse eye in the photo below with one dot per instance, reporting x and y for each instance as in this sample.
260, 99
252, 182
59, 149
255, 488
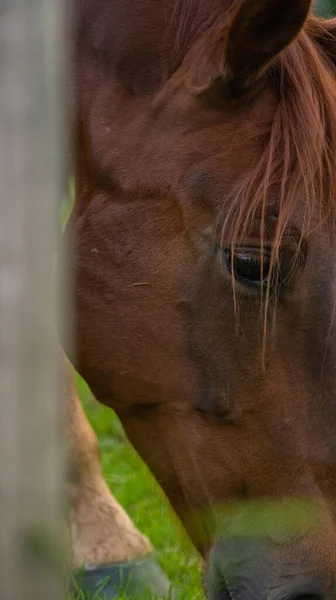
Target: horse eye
250, 266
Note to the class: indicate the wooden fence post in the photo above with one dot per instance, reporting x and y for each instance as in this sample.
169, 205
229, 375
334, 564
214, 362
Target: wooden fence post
31, 413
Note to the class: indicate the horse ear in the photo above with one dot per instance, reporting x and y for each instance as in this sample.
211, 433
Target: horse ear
258, 32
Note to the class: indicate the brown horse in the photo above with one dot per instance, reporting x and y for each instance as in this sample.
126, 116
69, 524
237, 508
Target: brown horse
204, 153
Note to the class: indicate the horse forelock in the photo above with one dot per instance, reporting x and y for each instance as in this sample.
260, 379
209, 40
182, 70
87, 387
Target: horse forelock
298, 155
188, 19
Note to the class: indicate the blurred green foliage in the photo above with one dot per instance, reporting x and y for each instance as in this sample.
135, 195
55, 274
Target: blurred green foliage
325, 8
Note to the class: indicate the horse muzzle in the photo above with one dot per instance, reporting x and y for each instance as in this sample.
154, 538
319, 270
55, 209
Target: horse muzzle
239, 569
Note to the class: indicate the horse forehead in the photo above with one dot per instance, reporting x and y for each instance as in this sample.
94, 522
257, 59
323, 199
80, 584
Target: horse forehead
146, 18
225, 150
143, 33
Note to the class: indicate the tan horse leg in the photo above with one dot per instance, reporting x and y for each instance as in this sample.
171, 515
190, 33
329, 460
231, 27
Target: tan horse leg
101, 532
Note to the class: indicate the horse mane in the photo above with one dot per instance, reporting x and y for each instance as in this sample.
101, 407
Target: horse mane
298, 155
189, 19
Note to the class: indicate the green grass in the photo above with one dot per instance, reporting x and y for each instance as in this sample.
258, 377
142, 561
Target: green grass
134, 487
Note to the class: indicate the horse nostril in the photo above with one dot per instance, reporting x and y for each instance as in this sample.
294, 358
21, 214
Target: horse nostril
305, 597
313, 590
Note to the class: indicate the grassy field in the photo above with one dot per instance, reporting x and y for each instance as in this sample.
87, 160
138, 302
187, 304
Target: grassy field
137, 492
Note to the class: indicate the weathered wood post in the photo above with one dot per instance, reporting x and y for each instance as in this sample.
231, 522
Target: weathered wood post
31, 459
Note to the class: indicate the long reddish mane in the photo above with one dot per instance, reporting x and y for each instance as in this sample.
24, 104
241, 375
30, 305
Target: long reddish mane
299, 153
297, 156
